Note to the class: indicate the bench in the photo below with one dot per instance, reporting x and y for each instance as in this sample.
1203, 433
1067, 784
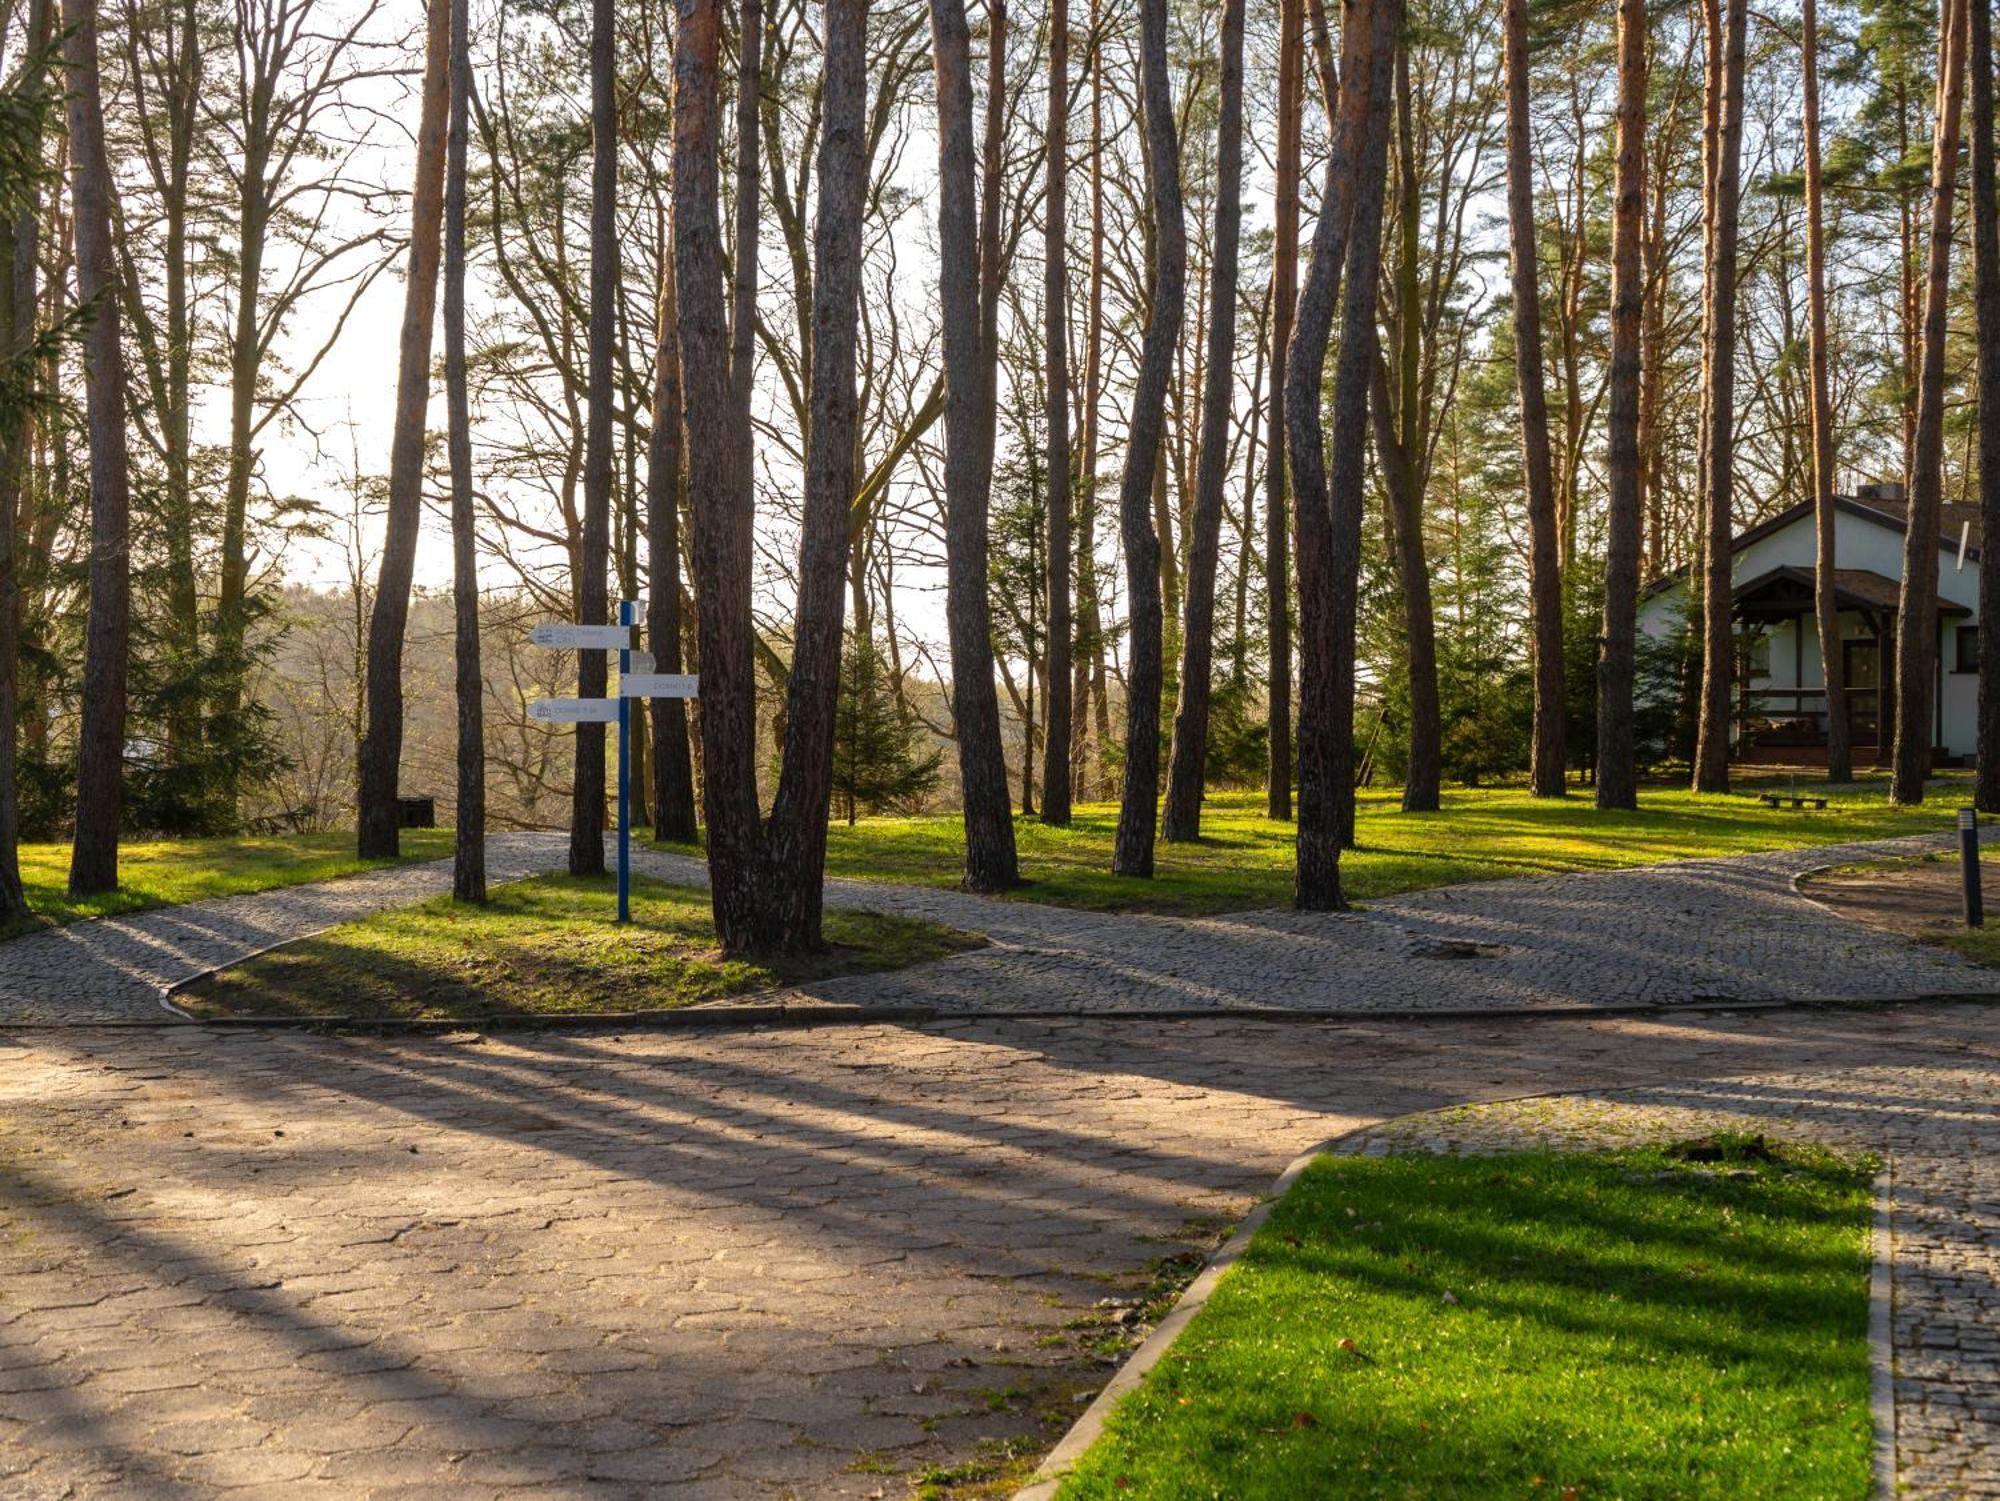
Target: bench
1776, 800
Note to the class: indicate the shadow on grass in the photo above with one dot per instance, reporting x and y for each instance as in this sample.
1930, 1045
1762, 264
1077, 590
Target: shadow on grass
1607, 1322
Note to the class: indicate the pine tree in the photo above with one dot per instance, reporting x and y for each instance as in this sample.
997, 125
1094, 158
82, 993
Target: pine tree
879, 764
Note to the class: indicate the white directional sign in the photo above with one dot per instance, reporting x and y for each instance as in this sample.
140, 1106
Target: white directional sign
657, 685
582, 637
574, 710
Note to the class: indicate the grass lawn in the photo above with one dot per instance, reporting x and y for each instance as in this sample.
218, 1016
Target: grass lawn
548, 946
1245, 860
166, 872
1618, 1324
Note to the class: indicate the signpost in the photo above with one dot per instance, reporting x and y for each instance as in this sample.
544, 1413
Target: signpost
573, 710
582, 637
636, 679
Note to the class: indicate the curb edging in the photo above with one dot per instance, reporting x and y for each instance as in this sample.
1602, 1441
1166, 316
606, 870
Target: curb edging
832, 1014
1086, 1430
1881, 1340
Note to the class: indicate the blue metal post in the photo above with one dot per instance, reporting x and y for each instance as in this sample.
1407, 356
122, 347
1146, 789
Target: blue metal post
624, 775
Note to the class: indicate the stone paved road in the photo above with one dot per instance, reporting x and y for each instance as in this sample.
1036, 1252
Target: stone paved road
1664, 934
765, 1263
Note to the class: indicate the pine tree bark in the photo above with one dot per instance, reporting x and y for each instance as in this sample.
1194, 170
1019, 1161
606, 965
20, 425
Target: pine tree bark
1401, 446
22, 263
1986, 297
1132, 852
719, 500
795, 844
1091, 714
1060, 732
990, 863
749, 183
593, 606
468, 875
1421, 790
673, 768
1718, 451
107, 635
1617, 768
1187, 765
1839, 754
1347, 466
1319, 837
377, 819
1548, 763
1284, 302
1917, 613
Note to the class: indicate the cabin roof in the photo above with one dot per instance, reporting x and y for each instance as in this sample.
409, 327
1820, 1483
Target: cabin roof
1783, 592
1890, 514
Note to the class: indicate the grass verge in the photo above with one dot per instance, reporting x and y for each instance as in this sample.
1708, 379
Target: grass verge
167, 872
1245, 860
1624, 1324
548, 946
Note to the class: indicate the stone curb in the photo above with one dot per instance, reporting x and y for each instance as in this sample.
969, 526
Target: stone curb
692, 1018
829, 1014
1881, 1343
1087, 1429
1082, 1434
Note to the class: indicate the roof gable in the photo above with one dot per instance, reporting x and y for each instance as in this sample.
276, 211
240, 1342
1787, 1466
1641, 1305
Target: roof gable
1890, 516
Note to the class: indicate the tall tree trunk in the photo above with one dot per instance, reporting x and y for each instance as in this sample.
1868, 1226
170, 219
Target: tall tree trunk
1346, 481
719, 501
673, 770
1060, 732
1718, 450
990, 863
1248, 560
1132, 854
245, 361
749, 180
107, 639
586, 818
23, 245
1617, 768
1986, 294
1087, 690
468, 874
1187, 766
1548, 763
1406, 529
1402, 447
1839, 755
1917, 613
376, 815
1284, 301
1320, 768
795, 849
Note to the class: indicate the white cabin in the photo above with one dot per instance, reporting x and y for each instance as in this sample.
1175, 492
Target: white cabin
1781, 693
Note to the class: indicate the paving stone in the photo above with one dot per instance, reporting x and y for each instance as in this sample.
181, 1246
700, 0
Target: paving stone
654, 1273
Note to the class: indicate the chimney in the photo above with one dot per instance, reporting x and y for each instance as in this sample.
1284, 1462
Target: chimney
1888, 490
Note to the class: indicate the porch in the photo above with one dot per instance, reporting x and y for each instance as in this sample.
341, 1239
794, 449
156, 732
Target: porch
1781, 714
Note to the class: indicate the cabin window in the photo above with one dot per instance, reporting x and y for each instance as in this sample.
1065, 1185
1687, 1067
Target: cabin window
1967, 659
1757, 654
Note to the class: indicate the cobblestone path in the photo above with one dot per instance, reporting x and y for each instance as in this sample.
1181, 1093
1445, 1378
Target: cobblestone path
785, 1263
1663, 934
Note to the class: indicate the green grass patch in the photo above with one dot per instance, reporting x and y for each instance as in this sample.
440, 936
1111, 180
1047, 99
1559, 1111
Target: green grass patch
1629, 1324
545, 945
167, 872
1245, 860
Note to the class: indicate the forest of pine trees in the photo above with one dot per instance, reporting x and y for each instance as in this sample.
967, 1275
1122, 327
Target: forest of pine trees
1000, 410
